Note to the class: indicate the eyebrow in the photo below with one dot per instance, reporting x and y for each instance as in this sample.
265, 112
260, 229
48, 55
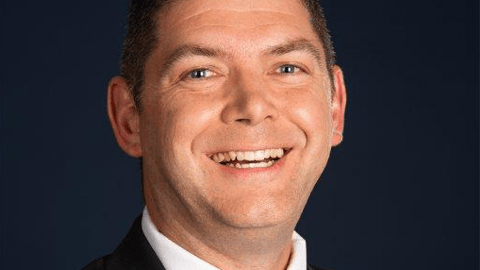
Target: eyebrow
186, 50
189, 50
300, 44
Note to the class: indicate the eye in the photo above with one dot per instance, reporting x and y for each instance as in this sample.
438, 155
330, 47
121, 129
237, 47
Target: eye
287, 69
199, 74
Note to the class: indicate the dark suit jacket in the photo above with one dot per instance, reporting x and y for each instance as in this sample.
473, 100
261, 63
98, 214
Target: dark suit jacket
135, 253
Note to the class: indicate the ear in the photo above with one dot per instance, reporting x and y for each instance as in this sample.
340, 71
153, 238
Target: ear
339, 101
124, 117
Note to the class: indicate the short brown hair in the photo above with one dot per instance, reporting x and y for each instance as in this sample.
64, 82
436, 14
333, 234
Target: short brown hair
141, 39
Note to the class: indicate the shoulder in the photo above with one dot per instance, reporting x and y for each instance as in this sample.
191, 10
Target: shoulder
312, 267
98, 264
134, 252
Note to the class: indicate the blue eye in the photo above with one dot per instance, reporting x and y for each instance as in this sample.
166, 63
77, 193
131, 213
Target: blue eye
199, 74
287, 69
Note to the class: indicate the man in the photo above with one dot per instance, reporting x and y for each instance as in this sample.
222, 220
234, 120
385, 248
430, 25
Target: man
233, 107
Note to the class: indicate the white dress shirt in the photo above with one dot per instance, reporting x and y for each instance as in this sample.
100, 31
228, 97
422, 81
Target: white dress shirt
174, 257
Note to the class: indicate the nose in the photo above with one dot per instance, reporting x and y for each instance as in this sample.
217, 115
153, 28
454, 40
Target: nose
250, 102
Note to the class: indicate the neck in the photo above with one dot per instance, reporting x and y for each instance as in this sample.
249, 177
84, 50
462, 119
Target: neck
222, 246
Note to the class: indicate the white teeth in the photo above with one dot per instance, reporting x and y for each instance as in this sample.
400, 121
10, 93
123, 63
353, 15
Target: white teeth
271, 153
274, 153
221, 157
260, 155
232, 155
263, 164
253, 165
240, 156
250, 156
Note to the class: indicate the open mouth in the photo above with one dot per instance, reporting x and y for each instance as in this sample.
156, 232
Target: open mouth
249, 159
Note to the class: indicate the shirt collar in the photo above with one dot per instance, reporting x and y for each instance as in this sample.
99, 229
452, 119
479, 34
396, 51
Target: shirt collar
174, 257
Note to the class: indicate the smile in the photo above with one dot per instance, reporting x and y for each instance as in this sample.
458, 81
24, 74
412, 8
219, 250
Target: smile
249, 159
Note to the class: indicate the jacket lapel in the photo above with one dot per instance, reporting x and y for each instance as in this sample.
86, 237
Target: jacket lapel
134, 252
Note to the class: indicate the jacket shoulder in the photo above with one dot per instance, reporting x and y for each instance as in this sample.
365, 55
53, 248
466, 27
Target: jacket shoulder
313, 267
98, 264
133, 253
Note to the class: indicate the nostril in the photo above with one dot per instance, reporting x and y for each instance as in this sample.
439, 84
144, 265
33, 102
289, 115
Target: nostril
244, 121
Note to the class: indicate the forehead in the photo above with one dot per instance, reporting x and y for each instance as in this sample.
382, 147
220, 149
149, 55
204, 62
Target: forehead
233, 21
228, 11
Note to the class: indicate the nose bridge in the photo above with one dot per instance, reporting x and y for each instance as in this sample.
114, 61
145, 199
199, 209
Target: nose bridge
250, 100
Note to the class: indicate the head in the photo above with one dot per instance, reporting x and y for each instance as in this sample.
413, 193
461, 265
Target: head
233, 107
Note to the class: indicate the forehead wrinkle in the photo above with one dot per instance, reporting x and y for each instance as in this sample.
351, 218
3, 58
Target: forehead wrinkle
206, 13
244, 28
216, 12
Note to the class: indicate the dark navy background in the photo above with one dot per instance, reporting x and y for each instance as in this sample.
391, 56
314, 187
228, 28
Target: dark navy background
401, 192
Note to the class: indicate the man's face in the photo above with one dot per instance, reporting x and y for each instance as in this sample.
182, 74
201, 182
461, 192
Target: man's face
237, 119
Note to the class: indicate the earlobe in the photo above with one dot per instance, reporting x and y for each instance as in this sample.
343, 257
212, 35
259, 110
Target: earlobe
124, 117
339, 101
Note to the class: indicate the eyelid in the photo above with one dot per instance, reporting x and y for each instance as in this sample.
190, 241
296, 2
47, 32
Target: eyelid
300, 66
185, 75
204, 70
295, 69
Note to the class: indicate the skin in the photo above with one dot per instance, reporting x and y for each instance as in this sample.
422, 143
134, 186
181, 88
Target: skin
263, 83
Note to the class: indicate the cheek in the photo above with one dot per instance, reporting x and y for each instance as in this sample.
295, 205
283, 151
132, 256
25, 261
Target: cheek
309, 109
171, 127
179, 120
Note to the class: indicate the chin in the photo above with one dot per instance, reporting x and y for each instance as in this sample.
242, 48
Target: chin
250, 212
